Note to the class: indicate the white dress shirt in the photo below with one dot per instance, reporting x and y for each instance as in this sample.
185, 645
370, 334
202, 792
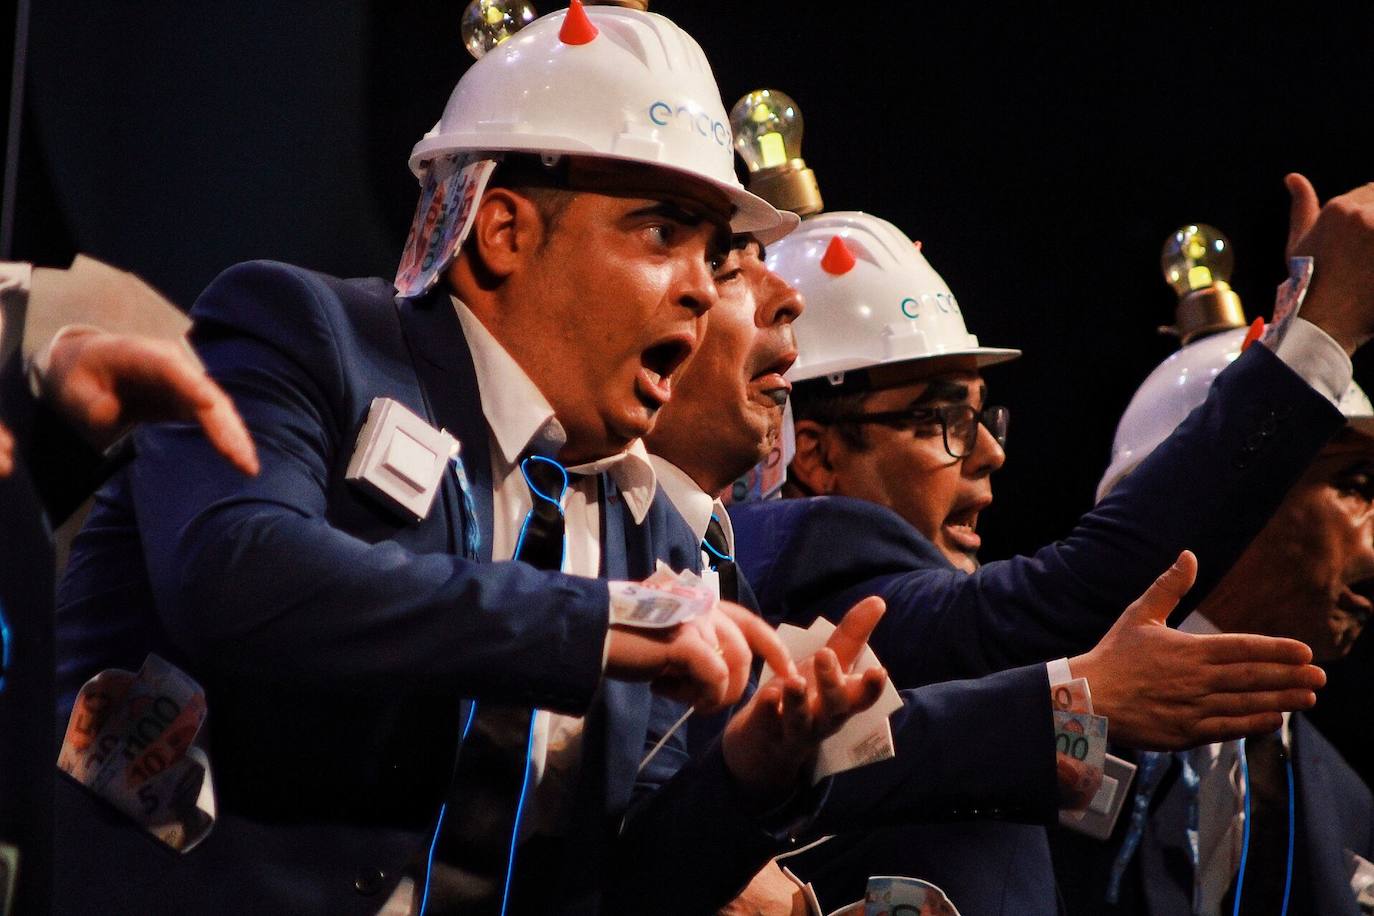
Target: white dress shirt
696, 508
519, 419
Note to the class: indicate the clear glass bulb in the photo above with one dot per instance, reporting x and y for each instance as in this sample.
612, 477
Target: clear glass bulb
487, 23
1195, 257
768, 129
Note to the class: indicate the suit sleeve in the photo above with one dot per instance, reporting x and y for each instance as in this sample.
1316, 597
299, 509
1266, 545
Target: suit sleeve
252, 575
1209, 488
703, 838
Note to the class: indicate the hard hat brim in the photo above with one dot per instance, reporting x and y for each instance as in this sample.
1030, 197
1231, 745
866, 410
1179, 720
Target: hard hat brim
752, 214
981, 356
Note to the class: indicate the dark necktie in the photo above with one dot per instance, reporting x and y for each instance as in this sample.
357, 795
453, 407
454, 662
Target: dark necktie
721, 560
474, 854
1266, 862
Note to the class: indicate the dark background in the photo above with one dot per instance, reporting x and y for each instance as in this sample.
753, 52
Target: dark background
1042, 154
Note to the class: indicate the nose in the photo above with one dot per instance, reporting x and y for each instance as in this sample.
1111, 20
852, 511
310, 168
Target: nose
697, 286
986, 457
779, 303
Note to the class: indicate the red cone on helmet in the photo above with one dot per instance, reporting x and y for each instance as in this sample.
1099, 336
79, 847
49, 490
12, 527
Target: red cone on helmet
838, 258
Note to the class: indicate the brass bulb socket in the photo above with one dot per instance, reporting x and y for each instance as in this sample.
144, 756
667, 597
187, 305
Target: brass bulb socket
790, 186
1207, 311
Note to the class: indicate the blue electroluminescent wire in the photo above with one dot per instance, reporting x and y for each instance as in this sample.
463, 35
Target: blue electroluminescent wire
438, 825
429, 862
713, 551
1245, 844
515, 831
1292, 837
4, 647
472, 709
1245, 833
534, 489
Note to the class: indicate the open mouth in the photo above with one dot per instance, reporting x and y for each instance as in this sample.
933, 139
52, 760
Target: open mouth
1354, 602
654, 381
769, 384
1351, 613
961, 527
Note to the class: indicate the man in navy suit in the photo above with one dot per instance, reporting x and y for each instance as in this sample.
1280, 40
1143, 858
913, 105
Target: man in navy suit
1277, 823
68, 388
879, 428
731, 396
335, 635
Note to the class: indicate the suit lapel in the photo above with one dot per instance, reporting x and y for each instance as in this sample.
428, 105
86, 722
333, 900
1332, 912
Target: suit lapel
1318, 811
443, 364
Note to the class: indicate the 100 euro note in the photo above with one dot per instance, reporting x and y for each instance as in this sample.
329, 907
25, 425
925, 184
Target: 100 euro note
130, 741
1080, 744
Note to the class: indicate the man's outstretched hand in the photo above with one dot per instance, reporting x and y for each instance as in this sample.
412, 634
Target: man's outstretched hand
1340, 239
103, 383
771, 741
703, 662
1165, 690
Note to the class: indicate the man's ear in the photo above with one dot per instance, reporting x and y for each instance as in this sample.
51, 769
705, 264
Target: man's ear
811, 462
506, 229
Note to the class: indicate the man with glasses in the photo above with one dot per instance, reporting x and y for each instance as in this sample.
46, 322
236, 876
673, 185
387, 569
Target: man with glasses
887, 387
731, 396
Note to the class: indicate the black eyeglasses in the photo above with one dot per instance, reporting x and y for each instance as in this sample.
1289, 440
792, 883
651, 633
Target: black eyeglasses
958, 424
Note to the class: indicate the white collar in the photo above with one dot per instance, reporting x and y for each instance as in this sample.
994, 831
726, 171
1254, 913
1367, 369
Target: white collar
632, 472
695, 505
518, 414
1198, 625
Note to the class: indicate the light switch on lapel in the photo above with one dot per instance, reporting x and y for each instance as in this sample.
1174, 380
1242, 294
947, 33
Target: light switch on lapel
400, 458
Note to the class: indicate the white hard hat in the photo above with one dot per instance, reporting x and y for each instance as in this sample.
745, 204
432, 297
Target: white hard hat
1181, 383
615, 83
871, 299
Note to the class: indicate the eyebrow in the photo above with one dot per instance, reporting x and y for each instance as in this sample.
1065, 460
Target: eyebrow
669, 210
741, 241
717, 247
1362, 466
945, 390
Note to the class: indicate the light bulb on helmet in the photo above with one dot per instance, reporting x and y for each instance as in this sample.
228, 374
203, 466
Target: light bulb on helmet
1197, 264
487, 23
767, 126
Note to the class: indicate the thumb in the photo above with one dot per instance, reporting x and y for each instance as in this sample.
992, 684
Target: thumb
852, 634
1164, 593
1302, 211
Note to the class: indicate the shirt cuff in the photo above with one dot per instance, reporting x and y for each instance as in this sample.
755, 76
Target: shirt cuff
1317, 359
1058, 671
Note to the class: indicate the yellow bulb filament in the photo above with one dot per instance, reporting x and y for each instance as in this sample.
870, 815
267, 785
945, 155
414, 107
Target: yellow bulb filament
1198, 277
772, 150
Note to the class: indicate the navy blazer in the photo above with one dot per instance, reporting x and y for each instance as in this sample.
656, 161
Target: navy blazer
939, 779
1208, 488
1334, 813
335, 639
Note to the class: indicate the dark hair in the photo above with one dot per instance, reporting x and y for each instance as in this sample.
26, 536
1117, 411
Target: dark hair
819, 401
544, 185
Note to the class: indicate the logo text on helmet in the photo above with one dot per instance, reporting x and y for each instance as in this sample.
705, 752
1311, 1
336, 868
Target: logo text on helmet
700, 122
943, 302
